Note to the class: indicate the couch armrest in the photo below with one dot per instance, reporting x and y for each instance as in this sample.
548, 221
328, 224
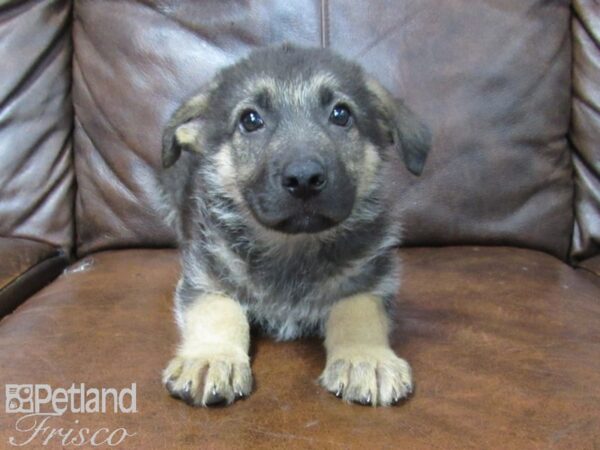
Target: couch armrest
585, 129
25, 267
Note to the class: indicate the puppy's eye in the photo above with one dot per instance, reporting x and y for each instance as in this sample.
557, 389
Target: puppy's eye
340, 115
251, 120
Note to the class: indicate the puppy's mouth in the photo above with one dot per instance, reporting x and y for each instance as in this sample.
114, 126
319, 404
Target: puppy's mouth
295, 219
304, 223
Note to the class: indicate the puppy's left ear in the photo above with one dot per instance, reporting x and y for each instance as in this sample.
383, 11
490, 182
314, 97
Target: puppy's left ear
184, 129
410, 137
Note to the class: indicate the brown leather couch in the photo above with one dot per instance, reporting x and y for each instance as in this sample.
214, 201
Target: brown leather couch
500, 304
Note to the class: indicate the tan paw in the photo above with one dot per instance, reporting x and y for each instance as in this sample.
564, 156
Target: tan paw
369, 376
209, 379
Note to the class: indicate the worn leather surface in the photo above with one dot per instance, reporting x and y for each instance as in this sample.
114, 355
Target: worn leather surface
36, 170
25, 267
492, 80
585, 127
504, 344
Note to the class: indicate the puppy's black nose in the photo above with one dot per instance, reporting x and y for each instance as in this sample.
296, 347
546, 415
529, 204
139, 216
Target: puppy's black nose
304, 178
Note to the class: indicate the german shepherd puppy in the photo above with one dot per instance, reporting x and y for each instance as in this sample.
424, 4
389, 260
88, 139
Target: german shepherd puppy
276, 182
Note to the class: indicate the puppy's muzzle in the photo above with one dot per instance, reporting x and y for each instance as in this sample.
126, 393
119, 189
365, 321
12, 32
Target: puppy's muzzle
304, 193
304, 178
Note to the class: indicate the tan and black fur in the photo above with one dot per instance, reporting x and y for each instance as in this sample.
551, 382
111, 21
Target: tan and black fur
287, 226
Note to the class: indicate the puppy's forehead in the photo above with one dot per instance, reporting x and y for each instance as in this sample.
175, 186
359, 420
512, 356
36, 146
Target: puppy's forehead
295, 90
288, 79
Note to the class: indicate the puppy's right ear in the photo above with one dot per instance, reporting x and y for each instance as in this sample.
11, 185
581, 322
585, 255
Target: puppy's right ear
184, 129
409, 135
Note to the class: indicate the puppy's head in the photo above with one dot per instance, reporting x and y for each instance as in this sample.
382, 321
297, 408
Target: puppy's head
295, 136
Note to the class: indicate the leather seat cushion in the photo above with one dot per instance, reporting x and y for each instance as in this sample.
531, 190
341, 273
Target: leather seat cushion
504, 344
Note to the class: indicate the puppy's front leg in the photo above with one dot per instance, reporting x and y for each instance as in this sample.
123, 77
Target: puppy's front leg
212, 365
361, 367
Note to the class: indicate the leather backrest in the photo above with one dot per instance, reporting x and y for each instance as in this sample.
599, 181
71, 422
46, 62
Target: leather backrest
36, 169
491, 79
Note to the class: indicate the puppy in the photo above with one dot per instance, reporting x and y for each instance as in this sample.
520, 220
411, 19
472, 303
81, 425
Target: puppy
275, 181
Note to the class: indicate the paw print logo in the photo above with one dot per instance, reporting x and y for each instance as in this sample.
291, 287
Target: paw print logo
19, 398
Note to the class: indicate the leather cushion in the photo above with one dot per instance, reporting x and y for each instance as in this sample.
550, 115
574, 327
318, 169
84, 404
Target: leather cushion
36, 121
504, 345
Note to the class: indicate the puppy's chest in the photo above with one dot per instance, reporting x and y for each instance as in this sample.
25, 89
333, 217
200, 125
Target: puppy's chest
289, 294
288, 299
290, 283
